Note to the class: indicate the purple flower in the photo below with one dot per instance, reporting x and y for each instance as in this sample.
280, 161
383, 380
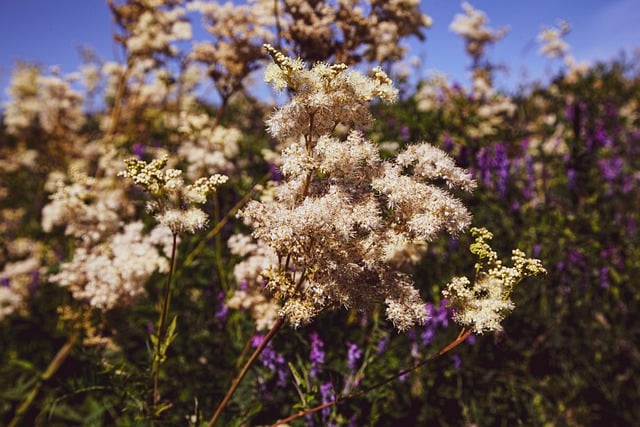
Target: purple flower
437, 317
275, 173
328, 395
457, 362
610, 168
404, 133
222, 310
604, 277
272, 360
500, 164
354, 353
382, 345
138, 150
316, 355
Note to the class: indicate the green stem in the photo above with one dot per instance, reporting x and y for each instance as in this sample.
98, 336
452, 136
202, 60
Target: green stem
166, 302
245, 369
223, 221
53, 367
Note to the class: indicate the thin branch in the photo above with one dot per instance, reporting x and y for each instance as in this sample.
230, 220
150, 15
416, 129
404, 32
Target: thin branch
245, 369
463, 335
223, 221
166, 302
53, 367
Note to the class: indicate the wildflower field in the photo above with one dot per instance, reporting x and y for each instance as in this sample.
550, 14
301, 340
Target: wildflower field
366, 250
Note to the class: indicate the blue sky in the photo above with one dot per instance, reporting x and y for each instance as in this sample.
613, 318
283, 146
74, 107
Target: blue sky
50, 33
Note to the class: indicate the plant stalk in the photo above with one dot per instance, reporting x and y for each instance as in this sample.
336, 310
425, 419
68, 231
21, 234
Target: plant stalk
463, 335
245, 369
166, 302
53, 367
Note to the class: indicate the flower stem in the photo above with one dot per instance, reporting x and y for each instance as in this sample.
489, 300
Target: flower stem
53, 367
166, 302
463, 335
245, 369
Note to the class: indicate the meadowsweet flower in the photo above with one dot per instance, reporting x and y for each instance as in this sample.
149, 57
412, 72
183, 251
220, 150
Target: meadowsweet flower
46, 100
25, 263
172, 204
481, 306
150, 27
553, 46
206, 149
250, 295
342, 213
351, 31
471, 26
90, 209
238, 33
112, 274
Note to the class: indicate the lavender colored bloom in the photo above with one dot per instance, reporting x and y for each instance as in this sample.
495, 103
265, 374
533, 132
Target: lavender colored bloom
500, 165
222, 310
404, 134
5, 282
354, 353
138, 150
272, 360
610, 168
484, 164
457, 362
274, 172
601, 138
328, 395
316, 355
437, 317
604, 277
530, 185
448, 143
471, 340
536, 250
382, 345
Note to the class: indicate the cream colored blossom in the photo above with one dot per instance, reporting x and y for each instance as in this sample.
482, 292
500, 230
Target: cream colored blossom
112, 274
471, 26
251, 295
481, 306
172, 198
89, 209
342, 212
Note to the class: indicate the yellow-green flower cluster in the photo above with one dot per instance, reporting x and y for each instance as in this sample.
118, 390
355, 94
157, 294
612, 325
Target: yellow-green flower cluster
482, 305
172, 198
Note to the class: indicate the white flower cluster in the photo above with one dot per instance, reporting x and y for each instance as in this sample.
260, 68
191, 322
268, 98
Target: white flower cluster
173, 199
47, 100
351, 31
239, 31
151, 26
250, 294
553, 46
471, 26
483, 101
326, 96
25, 263
207, 149
481, 306
90, 209
342, 212
113, 274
